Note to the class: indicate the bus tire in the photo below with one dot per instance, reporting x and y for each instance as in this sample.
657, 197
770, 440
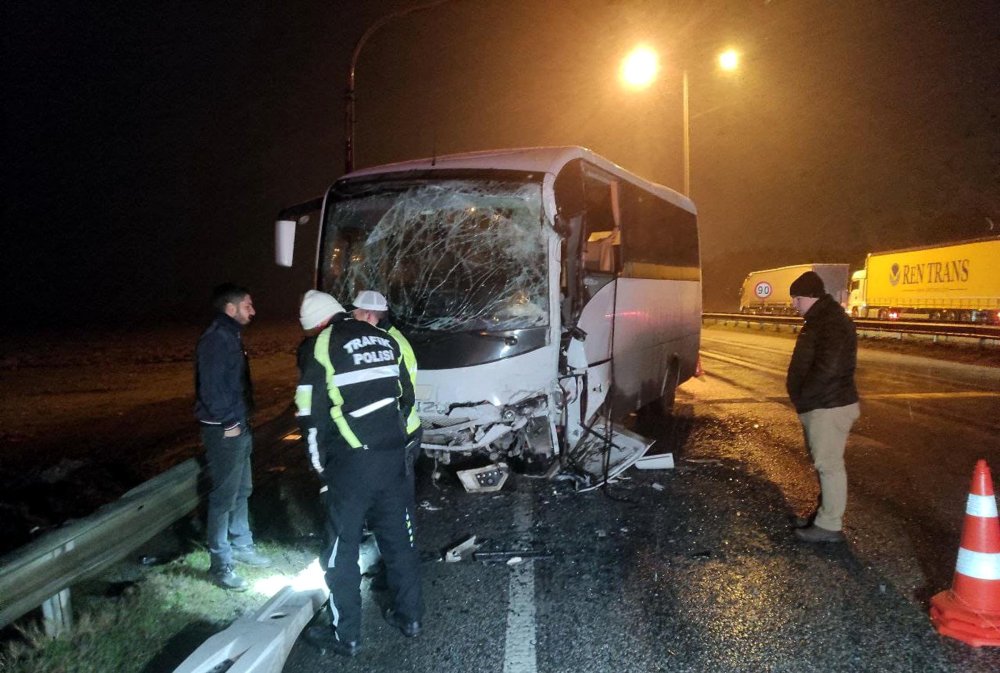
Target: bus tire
670, 389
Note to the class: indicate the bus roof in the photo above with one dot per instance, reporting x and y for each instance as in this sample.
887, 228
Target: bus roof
544, 159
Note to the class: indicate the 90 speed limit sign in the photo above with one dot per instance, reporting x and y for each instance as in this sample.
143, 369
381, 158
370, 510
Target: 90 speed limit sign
762, 289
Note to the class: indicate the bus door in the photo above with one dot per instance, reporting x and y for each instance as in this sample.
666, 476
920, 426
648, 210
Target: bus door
591, 265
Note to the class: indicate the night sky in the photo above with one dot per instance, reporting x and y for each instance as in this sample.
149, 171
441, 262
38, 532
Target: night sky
149, 147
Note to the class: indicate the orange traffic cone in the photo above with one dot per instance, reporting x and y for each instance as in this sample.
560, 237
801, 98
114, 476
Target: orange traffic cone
970, 610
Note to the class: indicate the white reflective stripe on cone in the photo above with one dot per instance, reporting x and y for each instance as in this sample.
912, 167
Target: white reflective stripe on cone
981, 505
979, 565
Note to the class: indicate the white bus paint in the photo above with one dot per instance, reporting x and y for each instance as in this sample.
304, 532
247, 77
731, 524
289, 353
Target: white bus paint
500, 265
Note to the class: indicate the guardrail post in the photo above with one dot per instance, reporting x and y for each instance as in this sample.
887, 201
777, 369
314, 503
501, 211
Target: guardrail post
57, 614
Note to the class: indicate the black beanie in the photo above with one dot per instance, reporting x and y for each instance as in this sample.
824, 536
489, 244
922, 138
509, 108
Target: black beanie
808, 284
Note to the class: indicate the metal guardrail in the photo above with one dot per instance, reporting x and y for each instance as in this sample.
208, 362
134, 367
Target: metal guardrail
46, 567
986, 336
259, 643
41, 572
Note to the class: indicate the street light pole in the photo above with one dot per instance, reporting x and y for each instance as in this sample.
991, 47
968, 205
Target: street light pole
729, 60
349, 113
687, 137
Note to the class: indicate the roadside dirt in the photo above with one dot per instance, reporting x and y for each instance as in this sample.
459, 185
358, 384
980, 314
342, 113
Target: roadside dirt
87, 415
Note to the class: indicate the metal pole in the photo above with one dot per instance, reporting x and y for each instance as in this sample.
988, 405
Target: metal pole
349, 114
687, 139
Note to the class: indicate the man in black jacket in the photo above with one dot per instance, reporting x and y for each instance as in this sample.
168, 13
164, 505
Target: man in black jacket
352, 398
223, 405
820, 384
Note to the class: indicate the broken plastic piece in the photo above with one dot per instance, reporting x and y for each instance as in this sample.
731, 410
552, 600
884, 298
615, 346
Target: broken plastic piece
657, 461
484, 479
461, 551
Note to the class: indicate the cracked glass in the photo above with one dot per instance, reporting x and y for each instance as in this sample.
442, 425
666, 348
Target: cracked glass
450, 255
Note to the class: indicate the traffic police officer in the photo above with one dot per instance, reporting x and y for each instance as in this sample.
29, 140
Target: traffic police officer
372, 306
354, 387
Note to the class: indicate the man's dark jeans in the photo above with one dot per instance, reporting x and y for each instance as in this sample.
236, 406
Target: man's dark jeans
227, 522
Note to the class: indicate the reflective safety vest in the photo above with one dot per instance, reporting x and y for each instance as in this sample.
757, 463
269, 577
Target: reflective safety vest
353, 375
410, 362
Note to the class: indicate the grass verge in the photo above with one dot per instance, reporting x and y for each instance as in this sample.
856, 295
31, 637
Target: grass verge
147, 619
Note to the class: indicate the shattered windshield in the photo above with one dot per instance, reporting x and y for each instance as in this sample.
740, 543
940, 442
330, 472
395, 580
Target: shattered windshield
450, 255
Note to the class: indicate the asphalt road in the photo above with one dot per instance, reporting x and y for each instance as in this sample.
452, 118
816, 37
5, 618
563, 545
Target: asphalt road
695, 568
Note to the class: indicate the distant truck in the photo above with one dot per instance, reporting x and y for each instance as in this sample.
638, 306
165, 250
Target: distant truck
766, 292
956, 282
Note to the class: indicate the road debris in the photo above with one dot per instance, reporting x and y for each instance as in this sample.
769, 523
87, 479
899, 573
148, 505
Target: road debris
462, 551
484, 479
657, 461
510, 556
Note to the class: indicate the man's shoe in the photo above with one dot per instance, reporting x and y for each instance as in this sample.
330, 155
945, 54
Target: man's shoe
249, 556
226, 577
803, 521
816, 534
408, 629
324, 638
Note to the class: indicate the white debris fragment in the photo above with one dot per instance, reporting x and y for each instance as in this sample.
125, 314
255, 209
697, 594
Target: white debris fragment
426, 504
657, 486
462, 551
657, 461
514, 560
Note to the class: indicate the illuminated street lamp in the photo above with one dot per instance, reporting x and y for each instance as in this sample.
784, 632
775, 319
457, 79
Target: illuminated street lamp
638, 71
729, 60
640, 67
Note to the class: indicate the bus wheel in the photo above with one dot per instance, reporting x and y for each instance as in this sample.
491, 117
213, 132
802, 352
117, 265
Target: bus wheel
661, 407
670, 390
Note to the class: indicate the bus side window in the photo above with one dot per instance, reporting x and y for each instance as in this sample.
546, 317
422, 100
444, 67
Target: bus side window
601, 254
601, 235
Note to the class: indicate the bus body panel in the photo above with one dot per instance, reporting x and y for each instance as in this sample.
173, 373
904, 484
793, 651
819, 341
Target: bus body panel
499, 383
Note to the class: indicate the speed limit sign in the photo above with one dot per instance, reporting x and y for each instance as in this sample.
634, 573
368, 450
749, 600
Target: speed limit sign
762, 289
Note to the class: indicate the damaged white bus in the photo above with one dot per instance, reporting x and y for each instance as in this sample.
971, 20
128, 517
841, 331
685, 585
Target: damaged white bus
547, 293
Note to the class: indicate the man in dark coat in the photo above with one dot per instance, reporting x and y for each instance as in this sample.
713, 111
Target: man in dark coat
223, 405
820, 384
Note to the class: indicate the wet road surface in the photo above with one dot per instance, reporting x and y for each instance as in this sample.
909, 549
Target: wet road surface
695, 568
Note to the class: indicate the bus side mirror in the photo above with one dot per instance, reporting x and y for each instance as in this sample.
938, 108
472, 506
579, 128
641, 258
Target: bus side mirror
284, 242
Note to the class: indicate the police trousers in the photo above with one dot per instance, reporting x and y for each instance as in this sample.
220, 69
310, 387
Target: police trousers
372, 486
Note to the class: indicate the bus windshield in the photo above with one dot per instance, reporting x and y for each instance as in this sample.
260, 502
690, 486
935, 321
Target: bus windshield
452, 255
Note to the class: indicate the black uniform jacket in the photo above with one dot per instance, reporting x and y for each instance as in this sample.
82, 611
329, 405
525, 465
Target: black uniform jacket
821, 372
223, 394
353, 390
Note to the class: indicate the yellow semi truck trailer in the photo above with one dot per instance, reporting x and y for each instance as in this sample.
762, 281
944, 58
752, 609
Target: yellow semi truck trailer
956, 282
766, 292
